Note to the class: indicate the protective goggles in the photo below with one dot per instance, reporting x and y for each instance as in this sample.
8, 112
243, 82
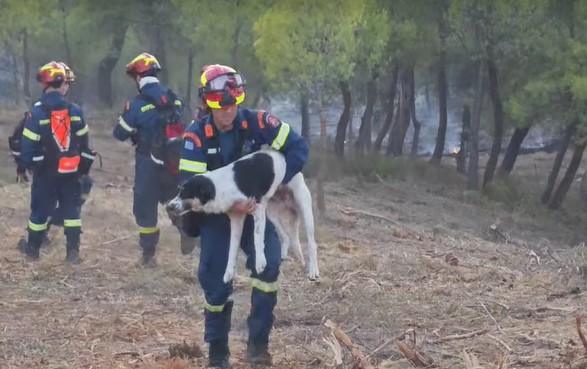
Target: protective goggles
227, 97
233, 80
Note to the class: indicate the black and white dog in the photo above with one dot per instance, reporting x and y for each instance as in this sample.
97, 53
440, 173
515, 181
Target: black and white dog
257, 175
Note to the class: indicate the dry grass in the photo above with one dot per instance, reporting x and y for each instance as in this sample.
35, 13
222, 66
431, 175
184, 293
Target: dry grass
411, 275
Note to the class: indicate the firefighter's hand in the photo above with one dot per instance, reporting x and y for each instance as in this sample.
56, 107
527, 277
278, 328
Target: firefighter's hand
134, 136
21, 177
244, 207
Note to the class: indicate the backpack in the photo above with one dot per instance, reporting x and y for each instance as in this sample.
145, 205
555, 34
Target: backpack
166, 144
62, 144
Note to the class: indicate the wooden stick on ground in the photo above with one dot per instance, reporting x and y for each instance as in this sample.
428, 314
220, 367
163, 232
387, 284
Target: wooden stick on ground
358, 357
349, 211
459, 336
580, 331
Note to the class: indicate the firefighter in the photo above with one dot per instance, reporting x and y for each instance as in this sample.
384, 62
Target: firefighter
85, 181
221, 137
146, 120
55, 148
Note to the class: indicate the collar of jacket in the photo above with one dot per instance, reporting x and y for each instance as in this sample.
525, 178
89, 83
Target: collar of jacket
146, 80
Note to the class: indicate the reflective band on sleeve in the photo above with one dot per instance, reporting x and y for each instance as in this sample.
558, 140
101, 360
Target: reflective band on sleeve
124, 125
31, 135
44, 121
178, 102
88, 156
82, 131
76, 118
192, 166
157, 161
38, 158
266, 287
281, 136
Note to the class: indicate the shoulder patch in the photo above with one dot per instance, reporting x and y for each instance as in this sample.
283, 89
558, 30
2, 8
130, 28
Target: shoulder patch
38, 103
194, 137
272, 121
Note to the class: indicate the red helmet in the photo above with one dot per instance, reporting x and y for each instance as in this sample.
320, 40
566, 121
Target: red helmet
69, 75
222, 86
51, 74
143, 64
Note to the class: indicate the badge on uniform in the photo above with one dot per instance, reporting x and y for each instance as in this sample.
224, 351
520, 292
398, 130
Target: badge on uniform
188, 145
272, 121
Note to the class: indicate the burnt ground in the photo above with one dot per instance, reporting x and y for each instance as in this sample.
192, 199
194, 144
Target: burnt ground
411, 272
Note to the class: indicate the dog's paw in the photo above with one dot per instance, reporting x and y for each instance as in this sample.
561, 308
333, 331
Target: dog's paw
228, 276
313, 273
260, 263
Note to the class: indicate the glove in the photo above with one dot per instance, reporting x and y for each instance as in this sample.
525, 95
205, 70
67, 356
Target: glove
21, 177
134, 136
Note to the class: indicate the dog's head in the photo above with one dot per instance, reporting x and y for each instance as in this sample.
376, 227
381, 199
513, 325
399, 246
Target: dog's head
193, 194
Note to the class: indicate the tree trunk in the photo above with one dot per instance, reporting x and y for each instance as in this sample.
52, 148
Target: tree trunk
107, 64
161, 53
415, 122
497, 118
26, 65
397, 118
558, 161
351, 132
443, 113
567, 181
188, 93
442, 96
320, 200
343, 122
464, 147
400, 126
473, 169
389, 110
15, 79
65, 37
305, 111
235, 42
364, 140
512, 151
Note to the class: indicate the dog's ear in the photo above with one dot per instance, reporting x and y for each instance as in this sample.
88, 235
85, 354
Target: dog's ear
206, 190
198, 187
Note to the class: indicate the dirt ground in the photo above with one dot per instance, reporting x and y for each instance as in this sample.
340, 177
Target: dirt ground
411, 272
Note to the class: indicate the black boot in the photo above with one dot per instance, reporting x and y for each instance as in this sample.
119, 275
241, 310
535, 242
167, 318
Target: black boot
148, 243
218, 355
31, 247
72, 243
258, 353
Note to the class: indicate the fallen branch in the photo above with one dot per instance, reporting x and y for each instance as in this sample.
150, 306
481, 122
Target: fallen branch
116, 240
580, 331
491, 316
414, 356
341, 337
509, 349
459, 336
349, 211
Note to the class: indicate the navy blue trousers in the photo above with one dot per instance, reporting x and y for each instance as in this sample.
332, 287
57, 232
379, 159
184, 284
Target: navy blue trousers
215, 240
